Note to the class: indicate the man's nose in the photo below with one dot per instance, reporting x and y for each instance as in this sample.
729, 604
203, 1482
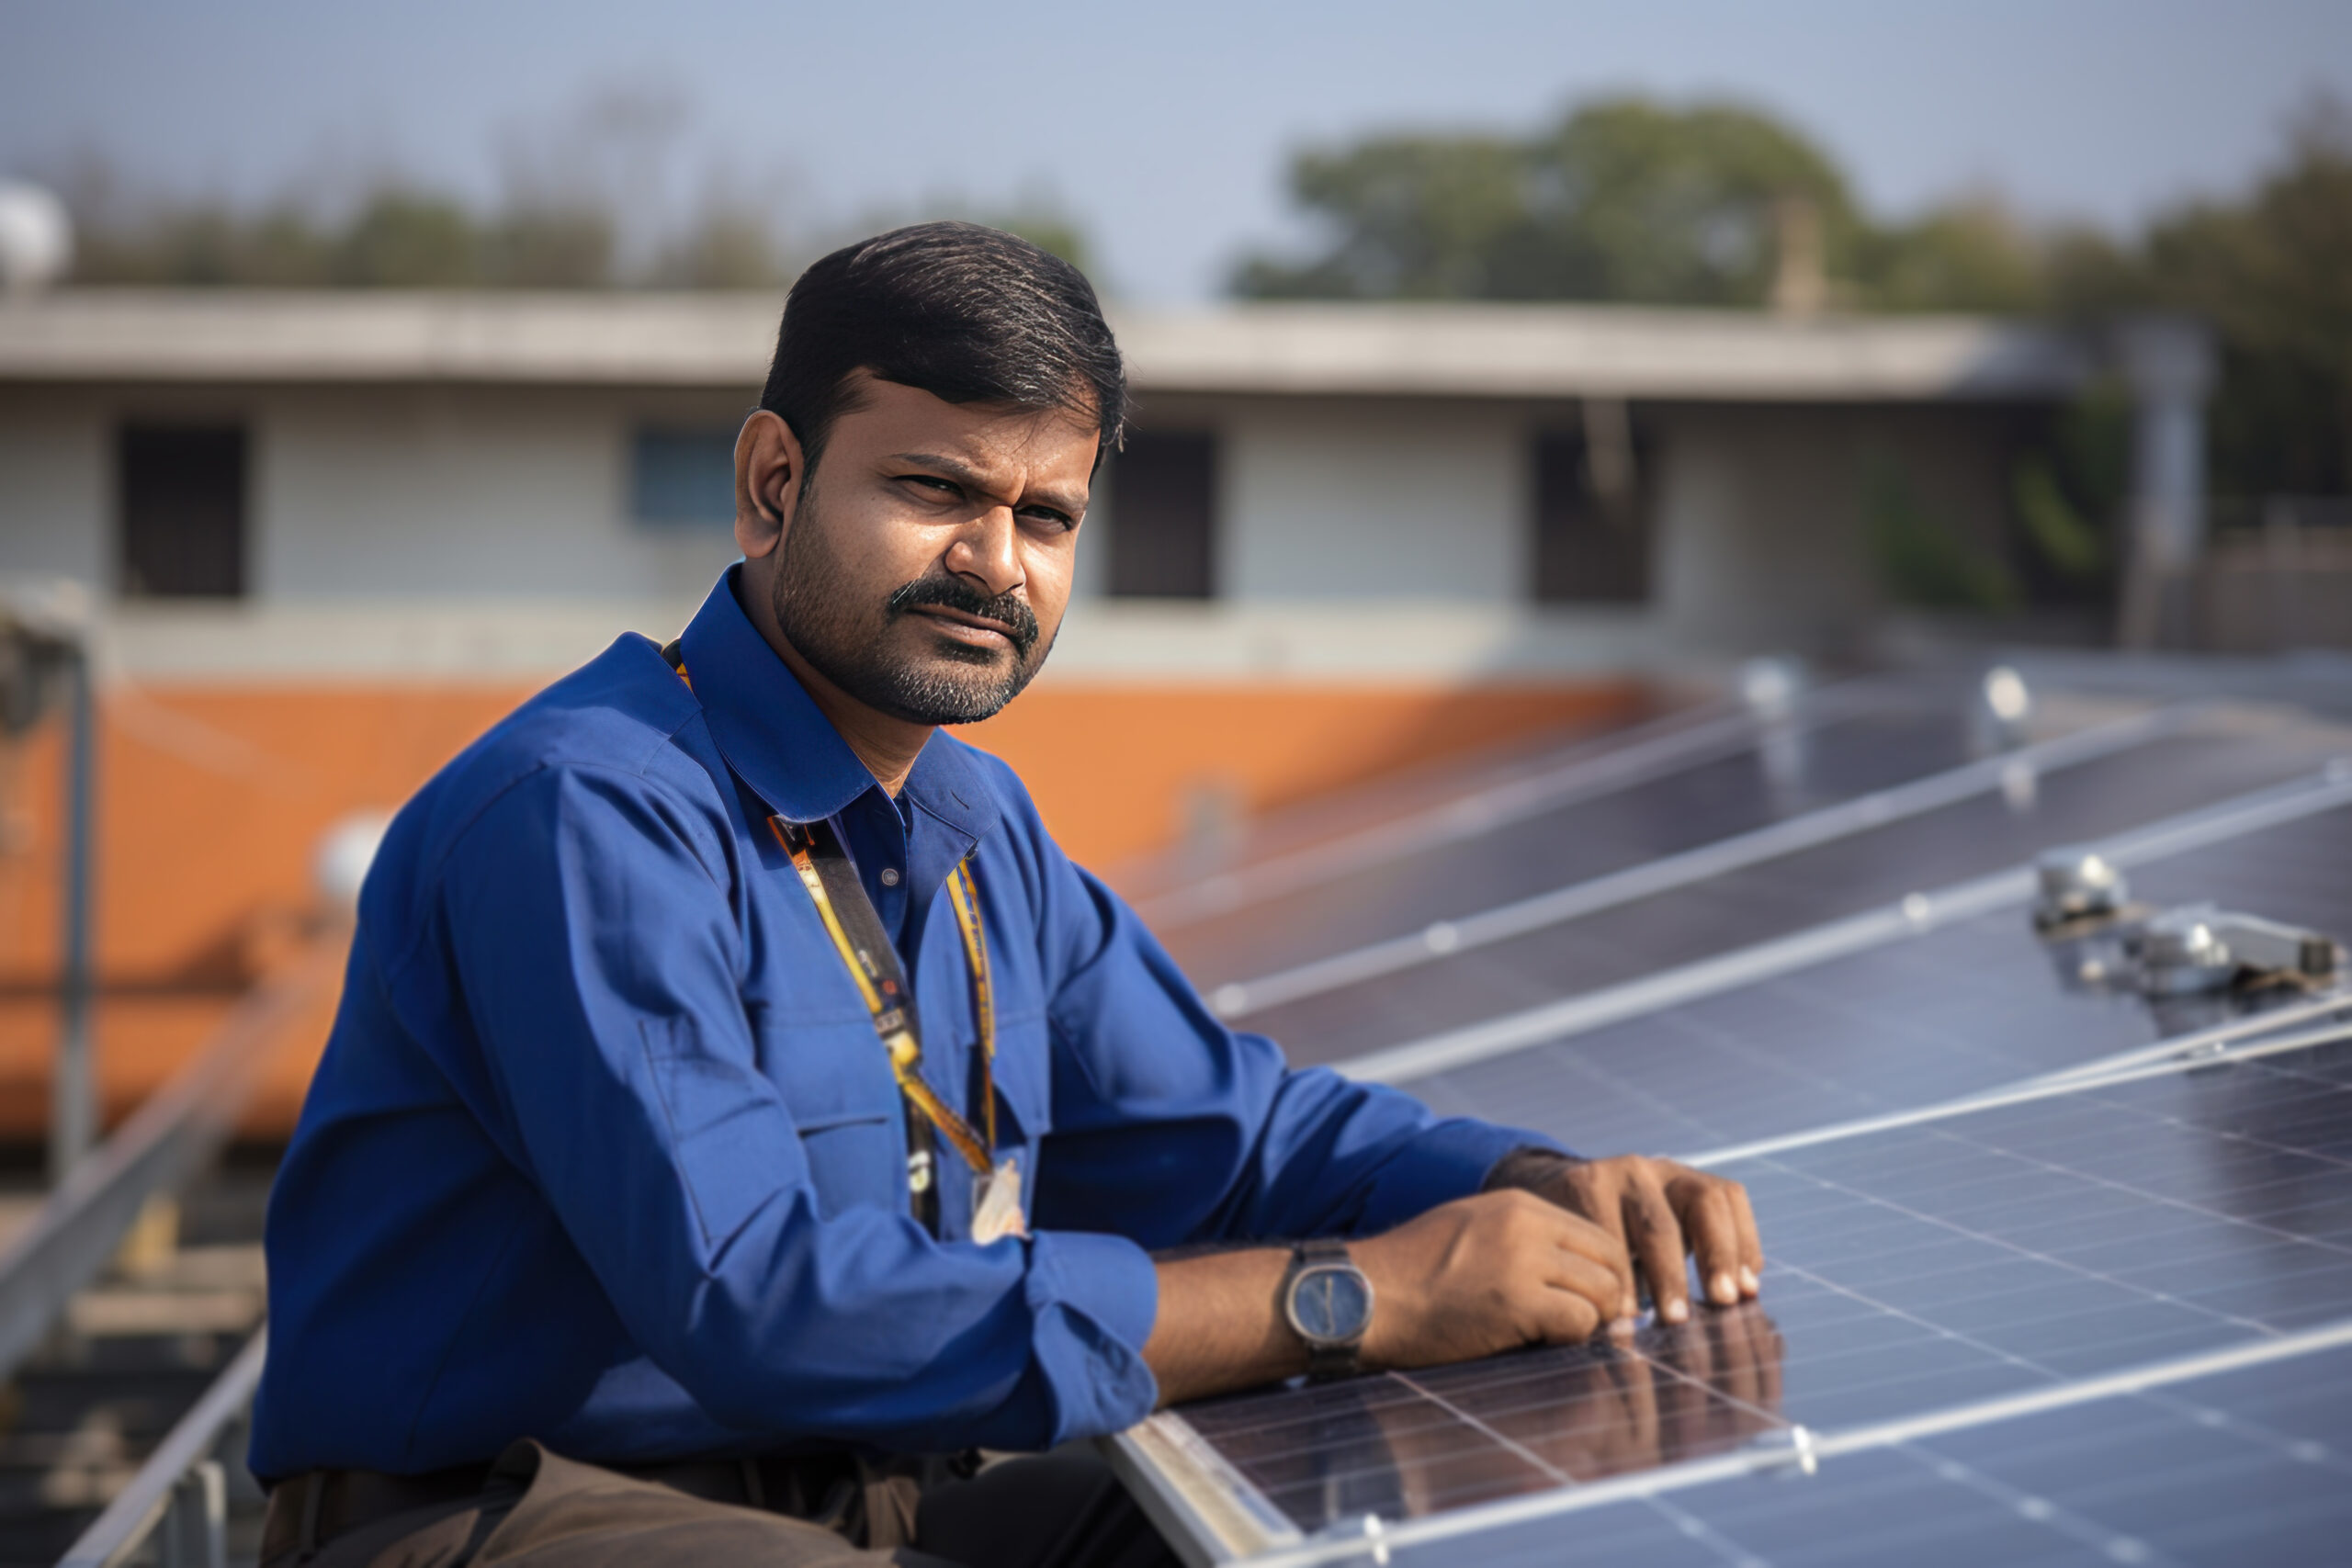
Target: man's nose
987, 551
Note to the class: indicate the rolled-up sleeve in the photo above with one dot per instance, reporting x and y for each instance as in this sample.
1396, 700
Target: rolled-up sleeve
599, 957
1173, 1129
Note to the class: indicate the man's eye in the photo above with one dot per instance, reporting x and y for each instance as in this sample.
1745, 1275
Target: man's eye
1047, 517
931, 482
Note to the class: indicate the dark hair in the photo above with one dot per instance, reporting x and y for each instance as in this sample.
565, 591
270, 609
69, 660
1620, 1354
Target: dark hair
968, 314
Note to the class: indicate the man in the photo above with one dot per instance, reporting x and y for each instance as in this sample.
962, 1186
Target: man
739, 1108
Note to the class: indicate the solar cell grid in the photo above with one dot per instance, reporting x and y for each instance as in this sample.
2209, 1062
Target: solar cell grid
1713, 799
2090, 801
1998, 1252
1950, 1012
2242, 1466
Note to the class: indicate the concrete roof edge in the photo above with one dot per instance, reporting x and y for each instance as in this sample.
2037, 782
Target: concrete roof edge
723, 340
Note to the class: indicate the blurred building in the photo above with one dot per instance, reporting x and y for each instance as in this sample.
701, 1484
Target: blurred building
331, 537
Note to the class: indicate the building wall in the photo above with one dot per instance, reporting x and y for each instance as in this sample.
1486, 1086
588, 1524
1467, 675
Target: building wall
1760, 512
423, 558
1372, 500
1764, 515
55, 485
470, 490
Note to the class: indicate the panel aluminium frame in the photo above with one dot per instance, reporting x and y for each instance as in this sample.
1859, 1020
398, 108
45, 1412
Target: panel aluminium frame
1652, 751
1913, 915
1168, 1443
1443, 938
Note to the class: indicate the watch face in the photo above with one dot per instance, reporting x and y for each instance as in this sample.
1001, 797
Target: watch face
1330, 1304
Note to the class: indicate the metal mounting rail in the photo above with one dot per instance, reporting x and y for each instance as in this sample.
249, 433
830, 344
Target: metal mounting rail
76, 1231
183, 1487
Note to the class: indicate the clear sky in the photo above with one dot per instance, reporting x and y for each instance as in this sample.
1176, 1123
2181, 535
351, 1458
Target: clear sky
1162, 128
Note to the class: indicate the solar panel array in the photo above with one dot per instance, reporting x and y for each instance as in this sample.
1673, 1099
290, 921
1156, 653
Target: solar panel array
2165, 776
1952, 1011
2141, 1271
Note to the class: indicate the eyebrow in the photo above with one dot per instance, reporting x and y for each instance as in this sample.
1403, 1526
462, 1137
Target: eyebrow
970, 478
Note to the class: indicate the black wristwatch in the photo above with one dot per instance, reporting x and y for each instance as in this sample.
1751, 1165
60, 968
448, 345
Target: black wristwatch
1326, 1301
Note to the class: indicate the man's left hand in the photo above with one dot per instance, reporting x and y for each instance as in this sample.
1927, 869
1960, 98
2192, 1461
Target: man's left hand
1663, 1213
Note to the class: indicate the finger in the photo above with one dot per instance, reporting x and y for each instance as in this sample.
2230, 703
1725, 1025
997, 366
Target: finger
1581, 1276
1708, 1224
1568, 1316
1657, 1247
1574, 1234
1751, 1242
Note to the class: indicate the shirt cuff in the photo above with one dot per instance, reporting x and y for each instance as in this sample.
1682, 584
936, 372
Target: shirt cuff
1092, 1300
1446, 1161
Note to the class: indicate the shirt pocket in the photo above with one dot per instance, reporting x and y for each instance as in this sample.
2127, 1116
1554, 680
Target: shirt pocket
1025, 1078
836, 1082
731, 1142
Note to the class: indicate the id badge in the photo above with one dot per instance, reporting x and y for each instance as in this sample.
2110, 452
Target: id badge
996, 1205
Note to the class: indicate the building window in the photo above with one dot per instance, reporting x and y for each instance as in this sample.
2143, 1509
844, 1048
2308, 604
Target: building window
182, 489
1592, 511
683, 478
1163, 515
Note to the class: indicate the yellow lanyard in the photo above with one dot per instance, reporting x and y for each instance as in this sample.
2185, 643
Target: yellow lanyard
889, 1009
893, 1020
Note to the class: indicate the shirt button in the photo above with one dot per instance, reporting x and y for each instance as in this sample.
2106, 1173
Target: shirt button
890, 876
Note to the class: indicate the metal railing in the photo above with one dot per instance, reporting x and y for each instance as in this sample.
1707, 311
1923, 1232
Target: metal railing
181, 1494
77, 1231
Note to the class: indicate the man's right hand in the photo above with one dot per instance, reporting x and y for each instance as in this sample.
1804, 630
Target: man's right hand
1486, 1274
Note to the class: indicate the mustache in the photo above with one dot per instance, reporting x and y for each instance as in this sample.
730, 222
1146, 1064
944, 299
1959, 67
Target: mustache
954, 593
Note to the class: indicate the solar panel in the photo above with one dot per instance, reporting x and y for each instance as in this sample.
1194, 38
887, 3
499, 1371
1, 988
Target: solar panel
2169, 774
2244, 1465
1987, 1254
1952, 1011
1754, 774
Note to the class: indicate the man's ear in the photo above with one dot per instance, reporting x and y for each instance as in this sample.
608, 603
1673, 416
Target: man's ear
768, 471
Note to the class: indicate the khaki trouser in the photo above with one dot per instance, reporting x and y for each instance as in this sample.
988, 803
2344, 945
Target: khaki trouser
550, 1512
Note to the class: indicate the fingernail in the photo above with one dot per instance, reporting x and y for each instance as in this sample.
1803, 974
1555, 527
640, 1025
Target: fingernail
1676, 1311
1622, 1328
1722, 1292
1748, 1280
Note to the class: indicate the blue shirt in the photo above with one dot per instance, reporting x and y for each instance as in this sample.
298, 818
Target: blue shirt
604, 1149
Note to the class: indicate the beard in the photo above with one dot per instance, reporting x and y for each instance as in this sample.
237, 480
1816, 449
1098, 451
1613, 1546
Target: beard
865, 646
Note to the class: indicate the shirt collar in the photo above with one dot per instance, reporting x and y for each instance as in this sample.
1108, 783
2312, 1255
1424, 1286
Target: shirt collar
780, 743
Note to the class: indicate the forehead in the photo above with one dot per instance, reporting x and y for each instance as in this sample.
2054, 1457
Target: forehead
885, 418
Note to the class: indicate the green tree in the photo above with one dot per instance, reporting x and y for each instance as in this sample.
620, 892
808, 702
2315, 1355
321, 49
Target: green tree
1623, 199
2273, 273
404, 239
1966, 255
728, 247
567, 246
